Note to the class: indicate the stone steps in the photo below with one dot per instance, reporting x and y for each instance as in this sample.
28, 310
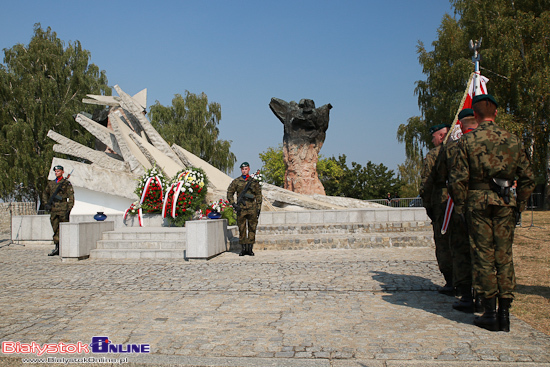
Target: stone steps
137, 254
142, 243
315, 241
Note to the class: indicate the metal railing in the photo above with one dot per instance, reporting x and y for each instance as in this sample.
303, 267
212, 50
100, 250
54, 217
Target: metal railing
399, 202
536, 201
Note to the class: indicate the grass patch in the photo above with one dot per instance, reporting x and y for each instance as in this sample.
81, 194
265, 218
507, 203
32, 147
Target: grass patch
532, 265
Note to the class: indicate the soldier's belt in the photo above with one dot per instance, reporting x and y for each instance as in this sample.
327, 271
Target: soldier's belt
480, 186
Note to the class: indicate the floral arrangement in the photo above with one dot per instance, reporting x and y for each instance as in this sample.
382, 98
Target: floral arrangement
134, 208
218, 206
258, 177
150, 190
185, 195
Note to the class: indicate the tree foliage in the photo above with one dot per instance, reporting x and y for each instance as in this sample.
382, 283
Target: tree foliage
515, 57
192, 123
273, 165
369, 182
41, 87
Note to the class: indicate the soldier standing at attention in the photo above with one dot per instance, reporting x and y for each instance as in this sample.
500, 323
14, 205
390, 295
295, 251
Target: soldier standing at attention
59, 199
247, 207
487, 161
434, 196
458, 234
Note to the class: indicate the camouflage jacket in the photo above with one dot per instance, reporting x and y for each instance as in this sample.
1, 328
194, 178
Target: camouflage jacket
435, 186
65, 200
485, 153
429, 162
252, 199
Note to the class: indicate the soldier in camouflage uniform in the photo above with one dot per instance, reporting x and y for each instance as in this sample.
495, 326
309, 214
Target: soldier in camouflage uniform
59, 202
434, 196
458, 234
487, 161
248, 208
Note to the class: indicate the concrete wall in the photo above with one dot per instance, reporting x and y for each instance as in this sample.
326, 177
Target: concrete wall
9, 209
368, 215
35, 228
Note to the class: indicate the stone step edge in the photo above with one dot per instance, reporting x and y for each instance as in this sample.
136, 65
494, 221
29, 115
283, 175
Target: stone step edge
137, 253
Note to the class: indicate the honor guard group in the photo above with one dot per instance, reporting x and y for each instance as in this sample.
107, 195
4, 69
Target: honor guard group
478, 172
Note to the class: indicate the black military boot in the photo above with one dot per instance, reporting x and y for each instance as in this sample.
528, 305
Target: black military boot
243, 250
504, 314
55, 251
250, 253
478, 307
448, 288
489, 318
466, 301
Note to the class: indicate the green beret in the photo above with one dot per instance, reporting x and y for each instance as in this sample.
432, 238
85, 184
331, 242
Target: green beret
465, 113
245, 164
484, 97
436, 128
58, 167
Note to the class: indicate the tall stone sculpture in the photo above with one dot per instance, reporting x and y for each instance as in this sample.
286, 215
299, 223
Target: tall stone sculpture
304, 134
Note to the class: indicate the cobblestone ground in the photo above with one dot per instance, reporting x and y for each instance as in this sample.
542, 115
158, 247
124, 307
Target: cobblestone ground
371, 305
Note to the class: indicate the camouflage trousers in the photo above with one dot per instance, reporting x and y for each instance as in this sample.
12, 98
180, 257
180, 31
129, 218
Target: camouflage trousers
247, 218
492, 235
460, 252
55, 219
442, 244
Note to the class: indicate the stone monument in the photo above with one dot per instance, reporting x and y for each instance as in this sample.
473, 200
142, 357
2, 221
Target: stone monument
304, 134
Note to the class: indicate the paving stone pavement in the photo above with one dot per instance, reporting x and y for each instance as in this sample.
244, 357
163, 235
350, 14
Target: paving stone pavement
337, 307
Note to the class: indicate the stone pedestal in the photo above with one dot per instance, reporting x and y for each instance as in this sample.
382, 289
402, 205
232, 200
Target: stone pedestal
76, 240
206, 238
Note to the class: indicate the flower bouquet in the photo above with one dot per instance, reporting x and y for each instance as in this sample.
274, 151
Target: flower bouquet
150, 189
258, 177
224, 209
185, 195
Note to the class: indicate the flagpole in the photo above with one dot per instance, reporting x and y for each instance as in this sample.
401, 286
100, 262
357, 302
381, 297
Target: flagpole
476, 78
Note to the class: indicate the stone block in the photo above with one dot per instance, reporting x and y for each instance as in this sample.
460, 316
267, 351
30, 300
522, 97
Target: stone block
407, 214
303, 217
394, 215
355, 216
266, 218
316, 217
279, 218
329, 216
381, 215
31, 228
76, 240
368, 216
206, 238
342, 216
291, 218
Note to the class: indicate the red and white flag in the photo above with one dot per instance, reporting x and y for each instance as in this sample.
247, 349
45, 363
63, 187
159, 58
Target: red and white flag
457, 133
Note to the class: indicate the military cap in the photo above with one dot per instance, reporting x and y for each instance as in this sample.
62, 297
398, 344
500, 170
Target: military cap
58, 167
436, 128
484, 97
244, 164
465, 113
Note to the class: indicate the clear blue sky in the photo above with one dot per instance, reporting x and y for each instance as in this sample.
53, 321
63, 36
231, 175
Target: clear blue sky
359, 56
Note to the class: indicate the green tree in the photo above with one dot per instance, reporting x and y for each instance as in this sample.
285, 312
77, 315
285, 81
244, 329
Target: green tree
373, 181
41, 87
273, 165
369, 182
192, 123
515, 56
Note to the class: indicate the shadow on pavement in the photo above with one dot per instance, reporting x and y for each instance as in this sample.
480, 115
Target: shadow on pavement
421, 293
